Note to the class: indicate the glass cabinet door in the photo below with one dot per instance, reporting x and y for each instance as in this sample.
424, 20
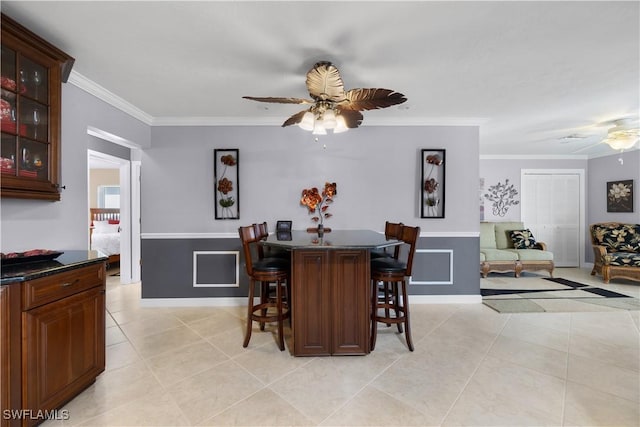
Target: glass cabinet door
25, 117
30, 87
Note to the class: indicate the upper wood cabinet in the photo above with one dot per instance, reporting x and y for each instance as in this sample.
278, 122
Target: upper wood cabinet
31, 84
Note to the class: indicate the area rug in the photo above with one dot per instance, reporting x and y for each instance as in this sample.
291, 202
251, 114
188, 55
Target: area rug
555, 295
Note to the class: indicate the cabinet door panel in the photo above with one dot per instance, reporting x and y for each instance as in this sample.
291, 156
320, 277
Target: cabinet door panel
64, 348
350, 300
311, 295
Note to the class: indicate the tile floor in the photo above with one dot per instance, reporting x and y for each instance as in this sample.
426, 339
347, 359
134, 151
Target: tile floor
471, 366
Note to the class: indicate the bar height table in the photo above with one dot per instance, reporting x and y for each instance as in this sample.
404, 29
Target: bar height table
330, 289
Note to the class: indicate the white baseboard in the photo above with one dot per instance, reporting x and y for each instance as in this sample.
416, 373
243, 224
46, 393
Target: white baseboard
445, 299
194, 302
242, 301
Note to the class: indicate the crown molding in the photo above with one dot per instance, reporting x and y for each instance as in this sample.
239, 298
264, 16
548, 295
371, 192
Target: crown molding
110, 98
533, 157
114, 100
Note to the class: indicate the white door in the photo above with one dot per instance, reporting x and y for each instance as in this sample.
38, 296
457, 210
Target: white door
552, 208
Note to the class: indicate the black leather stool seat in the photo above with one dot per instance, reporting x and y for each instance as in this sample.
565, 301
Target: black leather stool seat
388, 265
271, 264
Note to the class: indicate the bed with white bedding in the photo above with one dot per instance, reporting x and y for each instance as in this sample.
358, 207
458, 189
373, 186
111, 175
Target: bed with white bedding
105, 232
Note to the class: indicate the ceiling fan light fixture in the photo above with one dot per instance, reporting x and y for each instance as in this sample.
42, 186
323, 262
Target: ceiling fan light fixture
341, 125
307, 122
622, 136
329, 119
621, 142
318, 128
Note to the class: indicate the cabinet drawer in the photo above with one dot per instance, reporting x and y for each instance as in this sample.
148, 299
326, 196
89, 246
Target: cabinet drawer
51, 288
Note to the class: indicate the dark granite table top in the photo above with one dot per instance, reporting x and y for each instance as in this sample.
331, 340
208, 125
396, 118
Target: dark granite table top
336, 239
69, 260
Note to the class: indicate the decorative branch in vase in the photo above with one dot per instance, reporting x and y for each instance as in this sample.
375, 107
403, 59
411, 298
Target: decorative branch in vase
317, 202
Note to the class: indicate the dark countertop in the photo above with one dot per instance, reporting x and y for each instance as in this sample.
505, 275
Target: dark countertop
69, 260
336, 239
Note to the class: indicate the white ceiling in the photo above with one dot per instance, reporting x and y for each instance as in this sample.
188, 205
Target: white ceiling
529, 73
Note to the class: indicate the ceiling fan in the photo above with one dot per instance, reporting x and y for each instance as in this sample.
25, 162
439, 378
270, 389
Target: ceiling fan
333, 107
621, 134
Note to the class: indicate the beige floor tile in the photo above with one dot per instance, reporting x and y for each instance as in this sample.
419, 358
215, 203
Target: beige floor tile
264, 408
108, 320
371, 407
635, 315
325, 383
268, 363
428, 384
533, 356
151, 345
112, 389
588, 407
192, 314
560, 322
478, 406
613, 327
209, 393
150, 325
217, 322
113, 335
568, 306
175, 365
625, 356
119, 355
155, 408
520, 328
521, 386
471, 366
605, 377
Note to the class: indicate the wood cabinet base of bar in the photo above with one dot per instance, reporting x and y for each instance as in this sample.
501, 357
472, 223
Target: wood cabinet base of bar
330, 295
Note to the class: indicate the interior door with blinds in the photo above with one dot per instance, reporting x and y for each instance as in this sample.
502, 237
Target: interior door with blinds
553, 209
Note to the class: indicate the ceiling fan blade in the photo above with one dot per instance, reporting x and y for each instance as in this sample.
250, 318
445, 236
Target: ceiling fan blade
324, 82
371, 99
295, 119
352, 118
279, 100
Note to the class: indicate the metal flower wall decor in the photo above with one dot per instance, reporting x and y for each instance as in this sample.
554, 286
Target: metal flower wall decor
432, 184
502, 197
227, 187
317, 202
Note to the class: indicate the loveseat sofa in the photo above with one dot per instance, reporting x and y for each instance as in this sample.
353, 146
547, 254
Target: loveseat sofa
616, 250
509, 246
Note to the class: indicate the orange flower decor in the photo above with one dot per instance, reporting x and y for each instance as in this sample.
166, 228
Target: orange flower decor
315, 201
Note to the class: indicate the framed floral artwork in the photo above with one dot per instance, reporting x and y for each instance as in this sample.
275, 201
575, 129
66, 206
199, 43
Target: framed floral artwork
432, 183
226, 183
620, 196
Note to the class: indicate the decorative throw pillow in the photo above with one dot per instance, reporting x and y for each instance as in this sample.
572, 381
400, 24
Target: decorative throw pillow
523, 239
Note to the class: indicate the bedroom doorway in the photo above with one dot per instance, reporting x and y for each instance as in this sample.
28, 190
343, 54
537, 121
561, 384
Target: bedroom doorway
110, 184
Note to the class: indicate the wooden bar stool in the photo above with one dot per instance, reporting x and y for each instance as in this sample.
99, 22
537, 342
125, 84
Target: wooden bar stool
393, 273
392, 230
266, 271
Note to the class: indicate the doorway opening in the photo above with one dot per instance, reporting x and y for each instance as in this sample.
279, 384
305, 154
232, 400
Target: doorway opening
110, 183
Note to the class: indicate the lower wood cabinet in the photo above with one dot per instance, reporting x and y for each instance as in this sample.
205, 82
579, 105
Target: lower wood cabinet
63, 347
330, 302
60, 337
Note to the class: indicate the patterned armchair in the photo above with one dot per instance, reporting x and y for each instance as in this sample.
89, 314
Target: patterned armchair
616, 248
